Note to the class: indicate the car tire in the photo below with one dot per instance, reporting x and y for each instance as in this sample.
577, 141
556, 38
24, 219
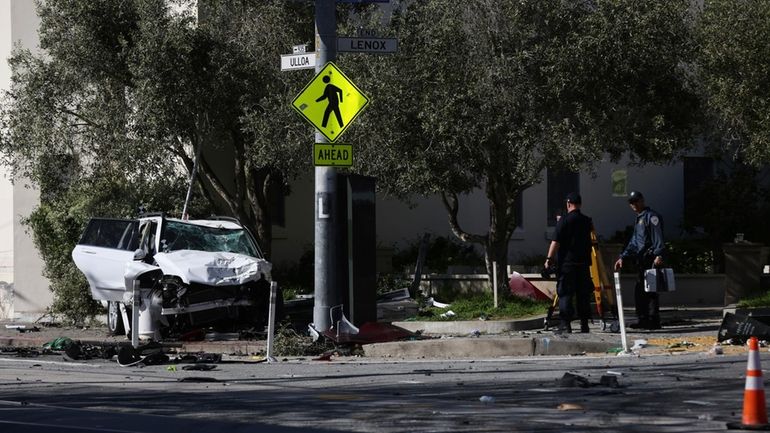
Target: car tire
115, 319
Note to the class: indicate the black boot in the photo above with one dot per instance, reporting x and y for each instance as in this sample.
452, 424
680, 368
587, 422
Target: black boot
643, 323
584, 326
654, 323
564, 328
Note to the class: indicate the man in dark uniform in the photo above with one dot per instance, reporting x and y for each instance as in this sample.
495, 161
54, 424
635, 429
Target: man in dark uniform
571, 250
646, 248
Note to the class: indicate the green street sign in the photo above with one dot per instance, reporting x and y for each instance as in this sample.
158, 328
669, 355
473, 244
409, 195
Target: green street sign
333, 155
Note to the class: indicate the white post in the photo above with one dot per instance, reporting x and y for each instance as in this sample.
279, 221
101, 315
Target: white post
271, 322
620, 312
494, 281
135, 303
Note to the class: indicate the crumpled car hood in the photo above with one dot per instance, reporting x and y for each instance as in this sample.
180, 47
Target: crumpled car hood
215, 269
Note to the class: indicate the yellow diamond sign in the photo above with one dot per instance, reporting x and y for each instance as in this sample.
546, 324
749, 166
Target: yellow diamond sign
330, 102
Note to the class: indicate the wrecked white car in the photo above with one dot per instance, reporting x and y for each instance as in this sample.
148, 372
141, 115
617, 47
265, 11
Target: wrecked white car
187, 274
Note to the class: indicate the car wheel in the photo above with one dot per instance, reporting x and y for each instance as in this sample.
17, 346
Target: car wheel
114, 319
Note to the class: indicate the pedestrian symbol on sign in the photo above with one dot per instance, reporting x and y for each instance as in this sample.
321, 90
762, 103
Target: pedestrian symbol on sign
330, 92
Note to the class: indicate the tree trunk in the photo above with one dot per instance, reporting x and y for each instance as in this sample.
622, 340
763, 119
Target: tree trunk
249, 202
496, 251
495, 243
501, 226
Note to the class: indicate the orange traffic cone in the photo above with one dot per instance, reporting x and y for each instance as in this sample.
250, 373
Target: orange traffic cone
754, 407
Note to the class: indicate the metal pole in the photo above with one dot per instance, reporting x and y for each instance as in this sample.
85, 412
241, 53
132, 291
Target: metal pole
621, 320
325, 184
271, 322
494, 281
135, 304
190, 183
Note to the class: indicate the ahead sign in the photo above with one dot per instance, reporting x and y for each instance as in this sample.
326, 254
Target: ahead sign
367, 45
334, 155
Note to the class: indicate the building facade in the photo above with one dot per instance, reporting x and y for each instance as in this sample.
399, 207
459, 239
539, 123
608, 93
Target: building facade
24, 292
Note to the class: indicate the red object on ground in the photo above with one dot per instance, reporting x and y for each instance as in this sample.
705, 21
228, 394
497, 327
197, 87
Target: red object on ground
521, 287
372, 332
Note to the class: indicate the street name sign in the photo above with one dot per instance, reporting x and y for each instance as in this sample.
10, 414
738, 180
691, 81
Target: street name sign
290, 62
333, 155
367, 45
330, 102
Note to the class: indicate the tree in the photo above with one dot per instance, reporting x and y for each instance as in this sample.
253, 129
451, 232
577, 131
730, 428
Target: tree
734, 69
489, 94
122, 98
137, 88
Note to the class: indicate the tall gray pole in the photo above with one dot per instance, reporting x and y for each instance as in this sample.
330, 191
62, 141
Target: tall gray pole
325, 184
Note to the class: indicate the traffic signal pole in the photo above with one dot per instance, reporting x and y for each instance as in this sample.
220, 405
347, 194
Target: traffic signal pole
325, 184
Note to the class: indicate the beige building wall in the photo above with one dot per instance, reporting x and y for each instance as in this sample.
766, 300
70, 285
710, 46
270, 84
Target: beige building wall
400, 224
24, 293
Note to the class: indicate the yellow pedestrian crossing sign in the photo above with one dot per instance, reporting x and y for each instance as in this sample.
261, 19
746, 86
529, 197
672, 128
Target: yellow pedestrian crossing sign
330, 102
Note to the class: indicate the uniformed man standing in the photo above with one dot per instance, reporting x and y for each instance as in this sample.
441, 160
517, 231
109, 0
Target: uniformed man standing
646, 248
571, 250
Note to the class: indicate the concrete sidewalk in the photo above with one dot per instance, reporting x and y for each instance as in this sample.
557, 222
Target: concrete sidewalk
684, 329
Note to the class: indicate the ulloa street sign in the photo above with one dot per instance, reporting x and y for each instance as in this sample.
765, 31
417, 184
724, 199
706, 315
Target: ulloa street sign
333, 155
291, 62
367, 45
330, 102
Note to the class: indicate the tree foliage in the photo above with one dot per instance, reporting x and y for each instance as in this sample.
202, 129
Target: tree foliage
734, 69
488, 94
122, 97
139, 88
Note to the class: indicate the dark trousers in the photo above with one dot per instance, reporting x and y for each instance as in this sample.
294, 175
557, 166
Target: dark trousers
647, 304
574, 282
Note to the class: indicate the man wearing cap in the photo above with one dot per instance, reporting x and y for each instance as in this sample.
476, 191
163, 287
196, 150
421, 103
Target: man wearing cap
646, 248
570, 251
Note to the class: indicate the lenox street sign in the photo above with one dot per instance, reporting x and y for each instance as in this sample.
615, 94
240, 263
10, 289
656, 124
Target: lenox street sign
367, 45
291, 62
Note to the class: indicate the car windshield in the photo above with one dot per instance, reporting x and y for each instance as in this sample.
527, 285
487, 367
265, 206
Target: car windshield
182, 236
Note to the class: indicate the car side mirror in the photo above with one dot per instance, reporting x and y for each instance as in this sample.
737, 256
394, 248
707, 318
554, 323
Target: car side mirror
139, 255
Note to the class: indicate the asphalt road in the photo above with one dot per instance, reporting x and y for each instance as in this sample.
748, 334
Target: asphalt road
691, 392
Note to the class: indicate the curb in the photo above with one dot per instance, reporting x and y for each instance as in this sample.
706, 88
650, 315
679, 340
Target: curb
465, 327
483, 347
238, 347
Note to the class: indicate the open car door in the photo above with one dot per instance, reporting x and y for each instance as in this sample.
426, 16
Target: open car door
105, 248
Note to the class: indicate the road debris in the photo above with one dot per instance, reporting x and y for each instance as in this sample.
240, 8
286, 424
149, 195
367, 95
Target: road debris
569, 406
487, 399
199, 367
571, 380
23, 328
738, 328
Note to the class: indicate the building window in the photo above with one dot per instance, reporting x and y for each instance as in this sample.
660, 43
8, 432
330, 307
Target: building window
560, 183
619, 183
697, 170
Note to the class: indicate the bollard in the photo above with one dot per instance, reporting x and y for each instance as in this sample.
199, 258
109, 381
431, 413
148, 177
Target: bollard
135, 303
271, 322
494, 281
620, 313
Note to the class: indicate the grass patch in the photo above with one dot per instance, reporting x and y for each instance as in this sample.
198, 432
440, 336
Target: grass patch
481, 306
762, 300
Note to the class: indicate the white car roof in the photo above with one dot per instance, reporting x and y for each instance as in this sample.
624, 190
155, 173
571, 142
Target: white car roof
225, 224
